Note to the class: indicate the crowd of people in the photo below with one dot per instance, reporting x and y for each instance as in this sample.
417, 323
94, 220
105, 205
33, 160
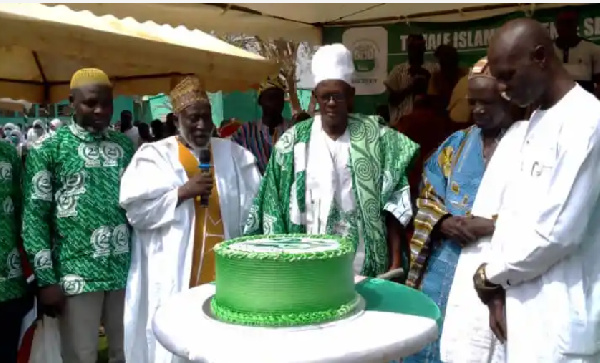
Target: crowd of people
103, 225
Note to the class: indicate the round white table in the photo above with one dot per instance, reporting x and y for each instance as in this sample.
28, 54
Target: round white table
184, 325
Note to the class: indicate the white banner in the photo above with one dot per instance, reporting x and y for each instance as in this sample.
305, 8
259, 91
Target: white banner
369, 47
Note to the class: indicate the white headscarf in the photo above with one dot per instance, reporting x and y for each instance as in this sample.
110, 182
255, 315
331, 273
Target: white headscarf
54, 125
33, 134
16, 138
332, 62
7, 128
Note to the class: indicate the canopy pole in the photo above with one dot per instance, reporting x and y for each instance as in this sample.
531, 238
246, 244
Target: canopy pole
46, 86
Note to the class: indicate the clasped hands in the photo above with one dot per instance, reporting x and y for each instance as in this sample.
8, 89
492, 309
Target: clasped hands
466, 230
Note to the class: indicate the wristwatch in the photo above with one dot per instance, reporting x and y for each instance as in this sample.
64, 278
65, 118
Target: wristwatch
485, 289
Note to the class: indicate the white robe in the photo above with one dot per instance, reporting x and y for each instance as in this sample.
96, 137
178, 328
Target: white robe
163, 238
329, 180
547, 239
467, 337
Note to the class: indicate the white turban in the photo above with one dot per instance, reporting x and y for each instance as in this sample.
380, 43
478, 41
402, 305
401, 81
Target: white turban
333, 62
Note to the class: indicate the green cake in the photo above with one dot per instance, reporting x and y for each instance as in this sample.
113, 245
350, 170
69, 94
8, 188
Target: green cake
284, 280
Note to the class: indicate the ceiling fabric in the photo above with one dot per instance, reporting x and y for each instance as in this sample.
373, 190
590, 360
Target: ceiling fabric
41, 47
301, 22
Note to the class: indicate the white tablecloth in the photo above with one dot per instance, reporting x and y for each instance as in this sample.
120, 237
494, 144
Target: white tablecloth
184, 326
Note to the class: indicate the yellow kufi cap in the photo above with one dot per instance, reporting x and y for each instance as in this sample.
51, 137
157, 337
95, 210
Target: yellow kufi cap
87, 76
187, 92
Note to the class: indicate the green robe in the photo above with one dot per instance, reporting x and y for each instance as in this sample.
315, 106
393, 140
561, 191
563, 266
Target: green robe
74, 231
380, 159
12, 281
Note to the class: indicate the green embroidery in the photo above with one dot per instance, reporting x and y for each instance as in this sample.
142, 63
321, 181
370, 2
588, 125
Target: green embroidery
74, 231
12, 281
379, 161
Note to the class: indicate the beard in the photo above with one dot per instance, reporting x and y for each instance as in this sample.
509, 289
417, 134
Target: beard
184, 134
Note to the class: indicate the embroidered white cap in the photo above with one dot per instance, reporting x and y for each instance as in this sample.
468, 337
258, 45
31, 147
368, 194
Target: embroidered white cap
332, 62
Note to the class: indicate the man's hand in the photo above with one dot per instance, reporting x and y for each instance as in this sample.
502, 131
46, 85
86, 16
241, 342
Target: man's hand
497, 307
52, 300
456, 228
200, 184
480, 227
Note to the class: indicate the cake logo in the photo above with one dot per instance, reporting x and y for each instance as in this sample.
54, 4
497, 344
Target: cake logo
286, 245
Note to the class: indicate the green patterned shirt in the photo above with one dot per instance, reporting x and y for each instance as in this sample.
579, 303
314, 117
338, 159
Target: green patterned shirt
74, 231
12, 282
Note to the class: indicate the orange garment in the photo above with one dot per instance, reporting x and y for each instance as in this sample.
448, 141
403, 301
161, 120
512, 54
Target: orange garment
208, 228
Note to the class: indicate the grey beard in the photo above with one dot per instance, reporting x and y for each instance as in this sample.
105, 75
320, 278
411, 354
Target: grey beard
188, 140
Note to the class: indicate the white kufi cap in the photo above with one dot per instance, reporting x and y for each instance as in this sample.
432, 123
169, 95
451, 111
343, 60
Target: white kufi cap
333, 62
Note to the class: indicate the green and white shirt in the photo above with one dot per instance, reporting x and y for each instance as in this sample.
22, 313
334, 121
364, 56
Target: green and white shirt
74, 231
12, 281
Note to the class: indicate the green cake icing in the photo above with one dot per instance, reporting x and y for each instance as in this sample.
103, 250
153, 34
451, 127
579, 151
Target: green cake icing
284, 280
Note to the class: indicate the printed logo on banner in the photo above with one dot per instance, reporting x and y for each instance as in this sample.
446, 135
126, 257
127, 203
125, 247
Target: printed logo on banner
369, 48
363, 55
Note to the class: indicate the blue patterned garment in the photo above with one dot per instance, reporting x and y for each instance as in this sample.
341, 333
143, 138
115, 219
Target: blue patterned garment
451, 178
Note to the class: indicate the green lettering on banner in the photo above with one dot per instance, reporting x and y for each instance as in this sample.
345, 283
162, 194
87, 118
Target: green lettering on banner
471, 39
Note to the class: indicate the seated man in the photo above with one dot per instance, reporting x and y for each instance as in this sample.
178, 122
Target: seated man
339, 173
173, 232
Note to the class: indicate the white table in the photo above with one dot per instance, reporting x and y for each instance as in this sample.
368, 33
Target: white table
185, 327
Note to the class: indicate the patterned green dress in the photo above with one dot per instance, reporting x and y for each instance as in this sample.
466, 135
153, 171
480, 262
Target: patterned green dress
74, 231
12, 281
379, 162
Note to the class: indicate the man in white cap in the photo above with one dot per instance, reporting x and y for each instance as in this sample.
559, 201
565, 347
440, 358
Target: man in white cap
339, 173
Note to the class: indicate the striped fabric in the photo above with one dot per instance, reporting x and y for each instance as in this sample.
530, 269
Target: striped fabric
442, 193
450, 182
255, 137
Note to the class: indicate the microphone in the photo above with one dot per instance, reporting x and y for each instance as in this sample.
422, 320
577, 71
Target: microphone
204, 167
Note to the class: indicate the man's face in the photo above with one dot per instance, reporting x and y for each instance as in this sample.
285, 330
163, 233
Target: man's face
488, 108
415, 47
335, 100
521, 78
93, 105
126, 116
566, 27
272, 101
195, 123
447, 57
38, 129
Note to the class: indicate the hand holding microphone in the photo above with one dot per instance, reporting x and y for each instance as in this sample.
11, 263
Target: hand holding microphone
200, 185
205, 170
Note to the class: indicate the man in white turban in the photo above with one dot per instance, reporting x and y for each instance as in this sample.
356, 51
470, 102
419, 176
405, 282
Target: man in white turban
339, 173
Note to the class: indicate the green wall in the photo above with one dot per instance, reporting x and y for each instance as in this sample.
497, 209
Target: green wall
240, 105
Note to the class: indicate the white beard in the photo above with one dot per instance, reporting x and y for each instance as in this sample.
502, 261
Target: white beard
188, 140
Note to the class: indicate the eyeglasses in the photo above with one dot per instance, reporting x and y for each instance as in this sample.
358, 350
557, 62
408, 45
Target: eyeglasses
328, 97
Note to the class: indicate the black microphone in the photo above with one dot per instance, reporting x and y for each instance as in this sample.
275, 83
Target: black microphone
204, 168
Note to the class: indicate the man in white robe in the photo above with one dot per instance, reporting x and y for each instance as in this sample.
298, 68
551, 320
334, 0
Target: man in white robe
173, 234
542, 279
